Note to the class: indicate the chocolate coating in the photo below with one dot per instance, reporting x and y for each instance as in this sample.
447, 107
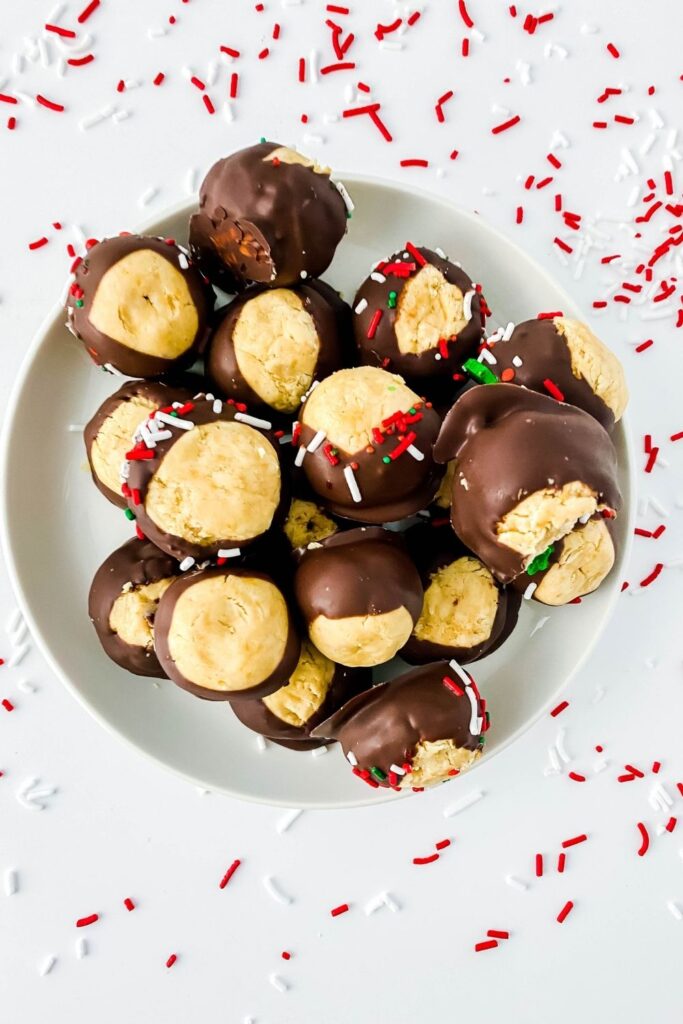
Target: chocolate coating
141, 472
383, 726
432, 548
138, 563
383, 348
267, 222
163, 624
365, 571
106, 351
331, 317
545, 356
256, 715
154, 391
509, 443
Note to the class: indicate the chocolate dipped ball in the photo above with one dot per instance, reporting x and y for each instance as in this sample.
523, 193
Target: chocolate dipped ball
139, 305
573, 567
419, 315
365, 444
316, 689
226, 634
123, 601
466, 613
360, 595
109, 435
307, 523
212, 482
272, 343
417, 730
563, 358
268, 215
528, 468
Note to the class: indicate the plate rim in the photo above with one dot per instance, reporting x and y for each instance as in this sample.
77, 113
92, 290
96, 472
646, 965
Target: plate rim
52, 319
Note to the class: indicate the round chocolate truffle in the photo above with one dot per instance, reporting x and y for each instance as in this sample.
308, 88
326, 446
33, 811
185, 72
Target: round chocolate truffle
573, 567
563, 358
528, 468
211, 483
226, 634
139, 305
466, 613
273, 343
123, 601
419, 315
109, 435
307, 523
269, 215
419, 729
366, 445
315, 690
360, 595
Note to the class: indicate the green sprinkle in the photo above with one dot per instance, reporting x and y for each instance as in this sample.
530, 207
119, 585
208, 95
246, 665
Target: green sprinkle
479, 372
392, 387
391, 301
385, 458
378, 774
411, 411
174, 412
540, 562
79, 303
348, 215
129, 514
263, 139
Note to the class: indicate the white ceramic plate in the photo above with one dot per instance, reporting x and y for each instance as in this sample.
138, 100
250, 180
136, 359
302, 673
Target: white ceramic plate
57, 528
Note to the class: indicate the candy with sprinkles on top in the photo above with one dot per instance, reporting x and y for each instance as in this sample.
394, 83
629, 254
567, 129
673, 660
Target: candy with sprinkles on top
316, 689
206, 480
123, 600
528, 468
419, 729
466, 613
365, 444
273, 343
574, 567
139, 305
226, 634
563, 358
359, 594
269, 215
419, 315
110, 433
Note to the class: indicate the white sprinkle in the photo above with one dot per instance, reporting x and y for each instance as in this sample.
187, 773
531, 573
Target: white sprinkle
172, 421
675, 910
387, 45
659, 798
393, 768
331, 119
391, 903
524, 71
273, 889
441, 253
253, 421
656, 118
486, 356
18, 655
516, 361
528, 593
228, 112
120, 115
539, 625
629, 160
415, 452
261, 744
11, 882
648, 144
313, 65
559, 139
352, 484
92, 119
515, 883
555, 766
316, 442
379, 278
217, 406
374, 904
600, 766
460, 671
46, 965
467, 304
156, 33
351, 758
191, 181
661, 313
18, 63
319, 751
285, 439
55, 14
81, 948
229, 552
361, 307
148, 195
186, 563
463, 803
300, 455
44, 51
278, 983
287, 820
598, 695
507, 333
475, 720
559, 743
14, 620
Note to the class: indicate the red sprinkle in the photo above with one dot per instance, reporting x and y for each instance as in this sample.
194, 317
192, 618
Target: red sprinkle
561, 244
83, 922
285, 955
451, 685
645, 844
505, 125
539, 865
670, 825
372, 111
229, 50
128, 904
656, 765
348, 65
574, 841
481, 946
264, 53
171, 960
44, 102
464, 14
415, 162
159, 78
79, 62
197, 82
549, 316
565, 912
341, 909
519, 216
234, 81
374, 323
426, 860
561, 861
442, 844
575, 777
416, 254
553, 389
65, 33
559, 709
651, 577
611, 48
229, 873
38, 244
208, 104
4, 98
7, 705
494, 934
644, 345
87, 11
440, 116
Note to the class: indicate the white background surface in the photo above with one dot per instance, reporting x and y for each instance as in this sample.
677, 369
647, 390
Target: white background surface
119, 827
